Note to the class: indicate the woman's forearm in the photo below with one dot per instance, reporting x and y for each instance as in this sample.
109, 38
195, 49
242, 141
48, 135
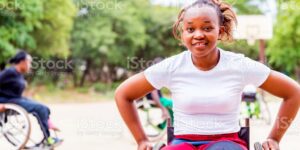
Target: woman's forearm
130, 117
287, 112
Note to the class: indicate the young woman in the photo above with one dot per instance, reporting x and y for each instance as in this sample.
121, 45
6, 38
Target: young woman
206, 83
12, 85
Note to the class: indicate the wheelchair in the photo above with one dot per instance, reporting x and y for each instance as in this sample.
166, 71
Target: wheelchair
244, 134
256, 106
16, 127
153, 124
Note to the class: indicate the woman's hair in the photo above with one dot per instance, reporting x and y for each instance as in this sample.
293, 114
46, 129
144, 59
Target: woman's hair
227, 17
20, 56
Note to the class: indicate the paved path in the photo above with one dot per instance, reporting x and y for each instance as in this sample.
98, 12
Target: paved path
97, 126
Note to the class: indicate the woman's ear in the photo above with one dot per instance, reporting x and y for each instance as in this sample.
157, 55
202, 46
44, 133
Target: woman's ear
221, 32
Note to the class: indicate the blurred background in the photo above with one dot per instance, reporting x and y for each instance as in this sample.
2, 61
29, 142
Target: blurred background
83, 49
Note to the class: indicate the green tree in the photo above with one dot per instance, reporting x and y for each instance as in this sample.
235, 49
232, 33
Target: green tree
243, 7
284, 48
17, 20
52, 36
105, 36
39, 26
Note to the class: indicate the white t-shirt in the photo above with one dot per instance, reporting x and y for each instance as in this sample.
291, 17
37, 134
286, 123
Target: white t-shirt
206, 102
249, 89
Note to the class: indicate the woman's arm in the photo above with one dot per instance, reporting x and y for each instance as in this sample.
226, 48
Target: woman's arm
286, 88
133, 88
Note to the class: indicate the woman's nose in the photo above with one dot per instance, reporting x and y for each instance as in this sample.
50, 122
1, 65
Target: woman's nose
198, 34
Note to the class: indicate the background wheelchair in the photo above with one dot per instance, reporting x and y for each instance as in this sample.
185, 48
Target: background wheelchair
153, 124
244, 134
15, 127
256, 106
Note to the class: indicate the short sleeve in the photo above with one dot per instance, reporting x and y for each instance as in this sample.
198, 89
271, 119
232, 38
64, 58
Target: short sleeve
254, 72
158, 75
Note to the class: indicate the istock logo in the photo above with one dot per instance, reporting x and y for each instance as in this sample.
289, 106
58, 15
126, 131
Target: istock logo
51, 64
99, 4
11, 5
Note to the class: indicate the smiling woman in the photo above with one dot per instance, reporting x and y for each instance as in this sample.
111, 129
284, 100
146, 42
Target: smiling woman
206, 84
200, 26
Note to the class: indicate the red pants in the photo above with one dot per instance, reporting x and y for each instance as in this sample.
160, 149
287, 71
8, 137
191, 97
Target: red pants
216, 140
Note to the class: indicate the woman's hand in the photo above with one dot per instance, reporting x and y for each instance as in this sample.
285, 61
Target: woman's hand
145, 145
2, 108
270, 144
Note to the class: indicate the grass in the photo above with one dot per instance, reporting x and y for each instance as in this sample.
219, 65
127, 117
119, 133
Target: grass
79, 95
87, 94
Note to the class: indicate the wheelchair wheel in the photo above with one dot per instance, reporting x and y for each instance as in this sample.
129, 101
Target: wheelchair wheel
150, 116
15, 125
36, 139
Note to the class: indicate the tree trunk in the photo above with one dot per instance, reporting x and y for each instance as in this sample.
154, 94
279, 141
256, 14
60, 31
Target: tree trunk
74, 74
86, 71
297, 71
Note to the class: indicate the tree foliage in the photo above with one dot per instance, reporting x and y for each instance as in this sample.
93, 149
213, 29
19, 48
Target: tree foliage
39, 26
284, 48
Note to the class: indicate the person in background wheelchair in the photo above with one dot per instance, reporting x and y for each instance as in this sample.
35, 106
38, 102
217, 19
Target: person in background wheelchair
206, 84
249, 96
163, 103
12, 85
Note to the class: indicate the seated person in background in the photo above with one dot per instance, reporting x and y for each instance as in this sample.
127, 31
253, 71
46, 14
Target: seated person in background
163, 103
12, 85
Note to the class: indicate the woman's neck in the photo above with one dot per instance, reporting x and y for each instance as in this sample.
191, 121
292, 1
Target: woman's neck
208, 62
18, 68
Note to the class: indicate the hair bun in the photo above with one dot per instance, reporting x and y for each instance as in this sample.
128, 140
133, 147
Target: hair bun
20, 56
12, 60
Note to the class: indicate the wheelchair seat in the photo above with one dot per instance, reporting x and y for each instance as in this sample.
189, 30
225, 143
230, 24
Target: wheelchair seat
244, 134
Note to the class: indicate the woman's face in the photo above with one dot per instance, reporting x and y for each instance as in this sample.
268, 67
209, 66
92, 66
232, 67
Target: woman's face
201, 30
25, 65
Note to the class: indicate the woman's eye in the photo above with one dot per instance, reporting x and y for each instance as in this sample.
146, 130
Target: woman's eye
190, 30
207, 28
